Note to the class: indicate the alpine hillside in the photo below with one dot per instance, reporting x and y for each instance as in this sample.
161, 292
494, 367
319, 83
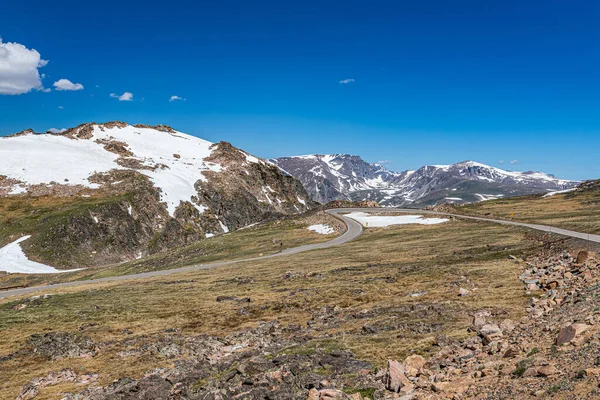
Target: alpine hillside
106, 193
347, 177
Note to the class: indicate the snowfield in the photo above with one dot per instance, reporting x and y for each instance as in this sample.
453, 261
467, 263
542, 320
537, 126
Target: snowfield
379, 221
559, 192
323, 229
13, 260
178, 160
485, 197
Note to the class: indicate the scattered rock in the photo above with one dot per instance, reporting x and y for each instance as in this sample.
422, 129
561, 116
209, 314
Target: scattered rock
417, 293
592, 371
547, 370
332, 394
582, 257
507, 326
490, 332
313, 394
567, 334
395, 378
58, 345
292, 275
412, 365
221, 299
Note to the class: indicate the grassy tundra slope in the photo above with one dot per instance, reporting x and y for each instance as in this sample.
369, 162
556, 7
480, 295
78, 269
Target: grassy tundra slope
390, 293
261, 239
578, 210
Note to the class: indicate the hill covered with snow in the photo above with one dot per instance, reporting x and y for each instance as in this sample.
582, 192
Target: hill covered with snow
135, 190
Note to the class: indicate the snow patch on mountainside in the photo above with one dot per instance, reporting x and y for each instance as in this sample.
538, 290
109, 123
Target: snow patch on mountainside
13, 260
175, 160
485, 197
559, 192
323, 229
36, 159
175, 176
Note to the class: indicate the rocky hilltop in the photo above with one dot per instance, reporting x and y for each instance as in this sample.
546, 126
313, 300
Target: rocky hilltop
348, 177
111, 192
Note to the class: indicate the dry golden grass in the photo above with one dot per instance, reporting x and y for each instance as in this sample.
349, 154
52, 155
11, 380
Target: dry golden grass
365, 282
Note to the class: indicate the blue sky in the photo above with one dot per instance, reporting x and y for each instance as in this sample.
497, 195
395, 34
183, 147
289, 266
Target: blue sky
435, 82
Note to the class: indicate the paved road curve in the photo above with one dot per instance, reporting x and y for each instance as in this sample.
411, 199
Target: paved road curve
354, 230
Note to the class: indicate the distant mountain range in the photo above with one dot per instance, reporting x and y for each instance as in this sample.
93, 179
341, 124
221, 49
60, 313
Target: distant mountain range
328, 177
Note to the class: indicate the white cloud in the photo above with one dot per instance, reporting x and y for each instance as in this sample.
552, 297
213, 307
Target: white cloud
65, 84
383, 162
174, 98
54, 130
47, 90
60, 107
127, 96
514, 161
19, 69
347, 81
501, 162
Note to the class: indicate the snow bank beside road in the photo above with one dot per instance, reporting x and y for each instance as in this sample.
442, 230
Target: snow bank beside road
378, 221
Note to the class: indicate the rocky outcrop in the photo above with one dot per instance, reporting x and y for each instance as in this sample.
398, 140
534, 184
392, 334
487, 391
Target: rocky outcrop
59, 345
549, 353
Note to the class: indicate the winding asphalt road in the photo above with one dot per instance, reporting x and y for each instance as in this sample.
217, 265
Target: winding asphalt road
354, 229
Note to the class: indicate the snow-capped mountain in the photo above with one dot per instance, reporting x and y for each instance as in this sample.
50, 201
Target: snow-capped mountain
343, 176
137, 188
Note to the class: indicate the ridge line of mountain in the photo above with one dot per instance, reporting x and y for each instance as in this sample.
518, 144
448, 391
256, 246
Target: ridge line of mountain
328, 177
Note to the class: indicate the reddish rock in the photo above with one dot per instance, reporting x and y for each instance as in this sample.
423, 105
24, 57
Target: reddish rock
332, 394
507, 326
510, 353
478, 320
490, 333
395, 378
582, 256
547, 370
567, 334
592, 372
413, 364
313, 394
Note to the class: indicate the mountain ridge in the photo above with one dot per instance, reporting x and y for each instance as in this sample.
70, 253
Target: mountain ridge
328, 177
117, 191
